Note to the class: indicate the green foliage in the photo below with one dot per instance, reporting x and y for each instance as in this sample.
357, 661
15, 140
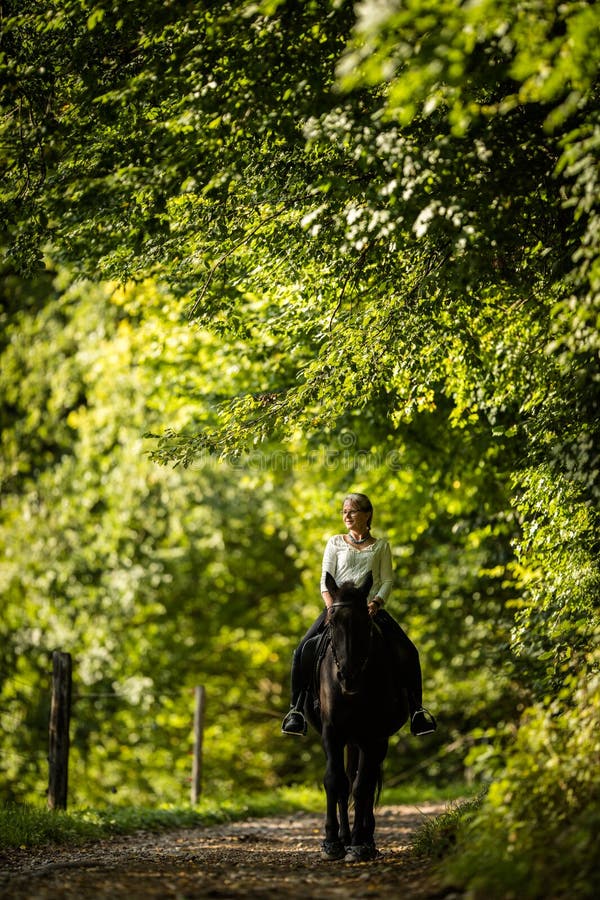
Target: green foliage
540, 822
382, 219
475, 60
436, 838
140, 572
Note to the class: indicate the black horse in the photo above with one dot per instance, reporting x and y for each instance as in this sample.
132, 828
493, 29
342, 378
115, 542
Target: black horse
359, 705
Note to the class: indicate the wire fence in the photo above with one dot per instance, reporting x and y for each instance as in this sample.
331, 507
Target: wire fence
44, 715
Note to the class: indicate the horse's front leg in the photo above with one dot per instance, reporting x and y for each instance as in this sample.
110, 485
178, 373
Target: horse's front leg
337, 790
352, 757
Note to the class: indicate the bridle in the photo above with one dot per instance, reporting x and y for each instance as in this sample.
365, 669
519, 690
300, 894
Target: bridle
338, 665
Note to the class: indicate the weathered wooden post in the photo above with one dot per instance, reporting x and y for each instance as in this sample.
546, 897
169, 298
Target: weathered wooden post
199, 701
60, 715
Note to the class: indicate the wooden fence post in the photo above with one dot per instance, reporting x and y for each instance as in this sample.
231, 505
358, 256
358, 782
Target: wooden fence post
60, 715
199, 701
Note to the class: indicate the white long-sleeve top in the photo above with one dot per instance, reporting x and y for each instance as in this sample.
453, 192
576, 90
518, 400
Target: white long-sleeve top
347, 563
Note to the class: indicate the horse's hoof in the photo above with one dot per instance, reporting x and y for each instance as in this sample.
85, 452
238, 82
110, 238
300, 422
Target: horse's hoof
332, 850
361, 853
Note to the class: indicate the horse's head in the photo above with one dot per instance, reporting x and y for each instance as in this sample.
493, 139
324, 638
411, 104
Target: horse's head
350, 630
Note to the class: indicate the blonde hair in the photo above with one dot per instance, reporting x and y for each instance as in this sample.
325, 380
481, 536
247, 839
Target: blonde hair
362, 502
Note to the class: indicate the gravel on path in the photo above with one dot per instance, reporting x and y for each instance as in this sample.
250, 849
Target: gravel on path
257, 859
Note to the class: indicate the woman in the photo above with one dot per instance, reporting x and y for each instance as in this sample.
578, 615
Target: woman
350, 557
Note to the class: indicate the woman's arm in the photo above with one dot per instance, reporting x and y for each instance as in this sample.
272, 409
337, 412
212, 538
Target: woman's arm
386, 575
329, 565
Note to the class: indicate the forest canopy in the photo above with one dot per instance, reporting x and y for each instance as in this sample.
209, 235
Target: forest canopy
305, 248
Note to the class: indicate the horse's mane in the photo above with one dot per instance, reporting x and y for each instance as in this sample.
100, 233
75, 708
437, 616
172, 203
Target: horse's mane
349, 594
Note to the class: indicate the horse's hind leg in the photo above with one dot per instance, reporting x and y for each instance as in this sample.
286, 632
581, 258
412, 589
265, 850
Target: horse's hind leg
362, 844
344, 821
365, 789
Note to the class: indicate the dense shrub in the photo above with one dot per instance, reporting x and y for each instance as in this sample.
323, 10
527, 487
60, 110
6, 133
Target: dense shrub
537, 835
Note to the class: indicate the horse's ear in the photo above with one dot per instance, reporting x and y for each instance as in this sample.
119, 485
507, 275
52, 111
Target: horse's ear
367, 584
330, 584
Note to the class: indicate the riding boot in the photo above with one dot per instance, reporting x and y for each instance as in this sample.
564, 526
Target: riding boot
294, 722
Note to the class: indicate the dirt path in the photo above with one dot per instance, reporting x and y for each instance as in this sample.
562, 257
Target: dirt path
259, 858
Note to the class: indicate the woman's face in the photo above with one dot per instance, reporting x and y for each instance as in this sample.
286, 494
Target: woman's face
355, 518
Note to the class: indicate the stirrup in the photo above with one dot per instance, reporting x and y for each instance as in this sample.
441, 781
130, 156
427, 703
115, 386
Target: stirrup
422, 722
294, 723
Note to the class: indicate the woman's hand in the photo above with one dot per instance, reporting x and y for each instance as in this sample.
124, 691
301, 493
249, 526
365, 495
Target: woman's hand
373, 606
